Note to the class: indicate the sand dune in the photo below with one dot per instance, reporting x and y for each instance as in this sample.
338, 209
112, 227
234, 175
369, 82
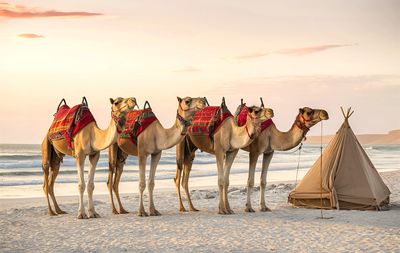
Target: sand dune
392, 137
25, 226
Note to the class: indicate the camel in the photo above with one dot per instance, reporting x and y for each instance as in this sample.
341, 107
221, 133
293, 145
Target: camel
272, 139
152, 141
227, 141
89, 141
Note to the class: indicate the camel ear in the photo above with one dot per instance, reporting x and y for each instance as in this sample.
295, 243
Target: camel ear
301, 110
179, 99
111, 101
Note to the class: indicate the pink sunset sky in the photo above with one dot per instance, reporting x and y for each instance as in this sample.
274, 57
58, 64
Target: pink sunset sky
322, 54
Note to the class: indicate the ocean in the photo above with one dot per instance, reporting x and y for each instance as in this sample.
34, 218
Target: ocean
20, 165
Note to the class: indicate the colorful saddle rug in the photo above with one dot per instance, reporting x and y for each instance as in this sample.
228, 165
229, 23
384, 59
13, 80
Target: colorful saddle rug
208, 120
69, 121
241, 117
136, 122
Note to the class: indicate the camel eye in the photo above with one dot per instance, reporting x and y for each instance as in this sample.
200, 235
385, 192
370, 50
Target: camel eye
310, 113
187, 101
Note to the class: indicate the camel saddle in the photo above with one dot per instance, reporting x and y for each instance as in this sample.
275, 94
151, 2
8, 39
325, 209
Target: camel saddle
208, 120
136, 122
69, 121
241, 117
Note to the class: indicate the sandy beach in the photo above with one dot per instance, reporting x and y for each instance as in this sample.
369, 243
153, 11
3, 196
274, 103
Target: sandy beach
26, 227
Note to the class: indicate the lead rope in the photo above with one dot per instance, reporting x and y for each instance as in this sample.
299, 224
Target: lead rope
322, 215
297, 173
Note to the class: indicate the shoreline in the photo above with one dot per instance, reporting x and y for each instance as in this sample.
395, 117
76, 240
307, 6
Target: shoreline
165, 184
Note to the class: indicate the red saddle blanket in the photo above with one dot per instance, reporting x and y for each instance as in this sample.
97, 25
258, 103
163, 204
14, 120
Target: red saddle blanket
241, 117
69, 121
136, 122
208, 120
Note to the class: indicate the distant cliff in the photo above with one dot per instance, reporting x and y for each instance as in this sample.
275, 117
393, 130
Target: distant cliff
393, 137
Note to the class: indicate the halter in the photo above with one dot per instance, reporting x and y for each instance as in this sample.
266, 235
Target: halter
118, 119
302, 125
252, 136
184, 122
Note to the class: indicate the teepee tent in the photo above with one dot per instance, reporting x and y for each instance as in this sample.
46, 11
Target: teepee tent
343, 177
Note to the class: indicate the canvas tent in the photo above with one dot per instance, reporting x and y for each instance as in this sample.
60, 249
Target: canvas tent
347, 178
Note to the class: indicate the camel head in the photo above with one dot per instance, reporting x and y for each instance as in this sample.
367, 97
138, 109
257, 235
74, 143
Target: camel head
258, 115
189, 106
119, 108
308, 117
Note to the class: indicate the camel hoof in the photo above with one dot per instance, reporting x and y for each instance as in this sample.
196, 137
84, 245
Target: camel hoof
249, 210
193, 209
114, 211
51, 213
182, 209
123, 211
265, 209
222, 212
230, 211
93, 214
142, 214
82, 216
61, 212
155, 213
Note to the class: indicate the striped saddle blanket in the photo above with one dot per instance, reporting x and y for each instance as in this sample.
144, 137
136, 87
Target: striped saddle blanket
69, 121
208, 120
136, 122
241, 117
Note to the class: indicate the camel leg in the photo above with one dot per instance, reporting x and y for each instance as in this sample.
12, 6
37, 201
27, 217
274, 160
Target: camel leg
250, 180
267, 157
220, 156
180, 147
230, 157
46, 157
93, 159
120, 168
185, 182
155, 158
54, 169
112, 165
80, 162
142, 182
177, 181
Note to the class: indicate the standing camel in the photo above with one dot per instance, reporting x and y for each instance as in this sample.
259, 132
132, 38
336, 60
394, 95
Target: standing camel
226, 141
272, 139
74, 132
147, 140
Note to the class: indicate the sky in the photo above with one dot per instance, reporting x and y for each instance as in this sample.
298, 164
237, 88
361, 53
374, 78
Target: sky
321, 54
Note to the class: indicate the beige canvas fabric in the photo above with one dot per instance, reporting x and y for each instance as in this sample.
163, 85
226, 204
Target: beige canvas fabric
349, 179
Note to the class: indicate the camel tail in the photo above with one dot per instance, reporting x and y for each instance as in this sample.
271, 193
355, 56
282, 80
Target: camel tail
47, 152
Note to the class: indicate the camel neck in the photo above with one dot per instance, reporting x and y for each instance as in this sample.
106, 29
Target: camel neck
173, 135
283, 141
102, 139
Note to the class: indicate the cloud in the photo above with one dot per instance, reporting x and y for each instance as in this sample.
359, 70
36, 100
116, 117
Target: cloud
292, 51
19, 11
187, 69
30, 36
